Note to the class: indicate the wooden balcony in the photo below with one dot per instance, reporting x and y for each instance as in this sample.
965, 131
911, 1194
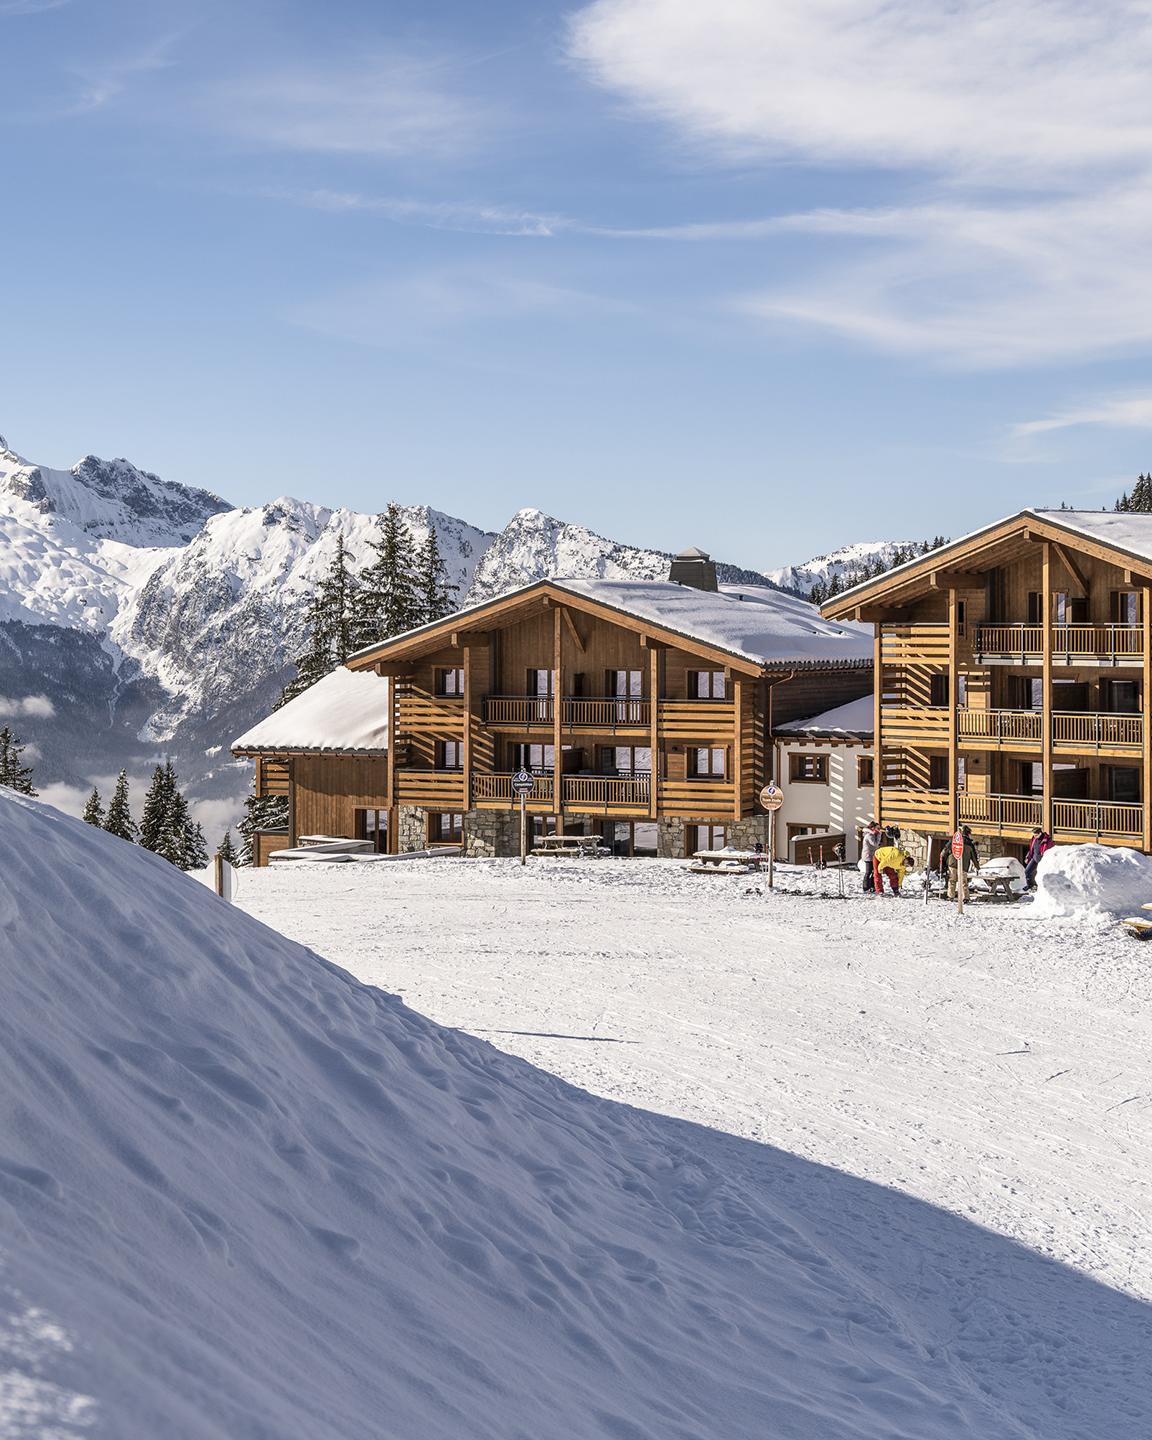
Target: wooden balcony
1015, 816
519, 711
606, 794
436, 789
677, 719
1019, 644
495, 792
1071, 731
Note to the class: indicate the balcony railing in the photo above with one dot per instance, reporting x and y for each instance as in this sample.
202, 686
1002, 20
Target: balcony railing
1100, 818
604, 713
999, 812
1095, 731
1015, 815
1073, 730
606, 792
519, 710
492, 789
997, 726
1090, 644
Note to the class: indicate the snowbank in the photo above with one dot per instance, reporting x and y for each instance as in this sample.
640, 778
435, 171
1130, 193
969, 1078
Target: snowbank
245, 1197
1092, 882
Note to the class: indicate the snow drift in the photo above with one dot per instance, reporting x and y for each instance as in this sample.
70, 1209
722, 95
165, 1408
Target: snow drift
244, 1197
1092, 882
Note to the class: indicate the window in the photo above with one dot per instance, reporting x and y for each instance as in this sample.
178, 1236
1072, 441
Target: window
449, 682
542, 825
961, 617
627, 687
540, 682
707, 685
1120, 697
1125, 607
539, 758
445, 828
1068, 696
1024, 693
449, 755
1031, 778
865, 772
626, 760
1123, 784
706, 763
708, 837
938, 772
808, 769
938, 691
1035, 608
1068, 609
373, 825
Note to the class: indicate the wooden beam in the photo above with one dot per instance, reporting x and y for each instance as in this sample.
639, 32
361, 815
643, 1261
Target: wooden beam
1046, 688
572, 628
391, 765
467, 736
460, 638
396, 670
1146, 714
557, 714
877, 695
738, 747
654, 688
957, 580
880, 615
649, 642
953, 687
1072, 568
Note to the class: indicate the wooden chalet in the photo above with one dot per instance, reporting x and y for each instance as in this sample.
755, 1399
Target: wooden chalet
645, 710
1013, 676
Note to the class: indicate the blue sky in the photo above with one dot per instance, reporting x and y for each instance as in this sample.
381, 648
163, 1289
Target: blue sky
763, 277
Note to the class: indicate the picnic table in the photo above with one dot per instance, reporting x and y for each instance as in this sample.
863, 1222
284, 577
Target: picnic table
587, 847
728, 861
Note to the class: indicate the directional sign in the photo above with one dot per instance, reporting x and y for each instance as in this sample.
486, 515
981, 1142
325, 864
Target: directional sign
523, 782
958, 844
771, 797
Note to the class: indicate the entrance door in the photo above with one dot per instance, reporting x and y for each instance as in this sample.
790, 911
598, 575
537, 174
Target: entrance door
626, 686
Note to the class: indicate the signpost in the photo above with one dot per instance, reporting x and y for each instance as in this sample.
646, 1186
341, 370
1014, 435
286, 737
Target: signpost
771, 799
523, 783
961, 873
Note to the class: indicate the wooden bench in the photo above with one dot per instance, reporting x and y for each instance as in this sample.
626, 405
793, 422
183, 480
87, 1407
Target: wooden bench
585, 847
726, 862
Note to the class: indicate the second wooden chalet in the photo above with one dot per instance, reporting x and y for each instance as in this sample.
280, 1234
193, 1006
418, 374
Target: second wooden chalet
645, 709
1013, 681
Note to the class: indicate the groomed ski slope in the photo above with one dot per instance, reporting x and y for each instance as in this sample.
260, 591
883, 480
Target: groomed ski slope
245, 1197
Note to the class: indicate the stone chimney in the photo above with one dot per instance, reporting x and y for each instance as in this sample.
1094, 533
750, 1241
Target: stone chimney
693, 567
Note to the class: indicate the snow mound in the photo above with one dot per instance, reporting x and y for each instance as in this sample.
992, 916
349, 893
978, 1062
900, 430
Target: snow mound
245, 1197
1092, 882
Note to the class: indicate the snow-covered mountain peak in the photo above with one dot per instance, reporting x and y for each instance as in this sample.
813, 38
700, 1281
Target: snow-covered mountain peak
862, 556
110, 499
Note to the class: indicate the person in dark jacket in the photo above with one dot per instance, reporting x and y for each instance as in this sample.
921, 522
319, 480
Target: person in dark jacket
870, 843
1041, 844
970, 861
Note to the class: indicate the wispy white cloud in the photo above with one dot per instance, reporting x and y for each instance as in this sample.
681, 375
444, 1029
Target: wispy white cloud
104, 80
29, 7
388, 107
435, 214
1030, 122
1122, 412
37, 707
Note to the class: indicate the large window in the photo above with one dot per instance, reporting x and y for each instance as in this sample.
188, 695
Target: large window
541, 759
445, 828
373, 825
540, 682
626, 760
449, 682
707, 685
449, 755
707, 837
706, 763
626, 687
1123, 784
1120, 697
808, 769
1125, 607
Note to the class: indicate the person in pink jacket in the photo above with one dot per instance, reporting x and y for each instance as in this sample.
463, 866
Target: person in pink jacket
1041, 844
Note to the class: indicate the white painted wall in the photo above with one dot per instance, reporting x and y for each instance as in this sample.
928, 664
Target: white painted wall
838, 807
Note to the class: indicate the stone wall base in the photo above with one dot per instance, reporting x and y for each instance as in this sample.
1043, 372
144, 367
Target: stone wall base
411, 828
489, 833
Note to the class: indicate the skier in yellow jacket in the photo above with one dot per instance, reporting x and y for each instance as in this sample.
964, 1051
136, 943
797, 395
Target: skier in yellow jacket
890, 860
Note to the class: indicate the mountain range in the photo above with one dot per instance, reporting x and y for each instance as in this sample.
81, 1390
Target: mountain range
141, 618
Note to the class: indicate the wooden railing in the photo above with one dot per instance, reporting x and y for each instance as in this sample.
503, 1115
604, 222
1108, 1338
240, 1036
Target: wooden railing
999, 812
1094, 731
689, 719
914, 724
495, 788
606, 792
1000, 725
1091, 643
519, 710
918, 808
1098, 817
608, 713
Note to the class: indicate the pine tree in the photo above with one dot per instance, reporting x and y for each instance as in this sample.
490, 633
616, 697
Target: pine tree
261, 812
194, 851
330, 621
167, 827
434, 593
156, 801
118, 820
94, 810
390, 602
226, 850
14, 775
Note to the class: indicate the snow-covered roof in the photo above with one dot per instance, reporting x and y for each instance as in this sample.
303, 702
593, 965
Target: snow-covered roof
345, 713
858, 717
752, 622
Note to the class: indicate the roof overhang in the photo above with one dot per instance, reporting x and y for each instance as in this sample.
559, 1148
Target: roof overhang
274, 752
534, 599
962, 564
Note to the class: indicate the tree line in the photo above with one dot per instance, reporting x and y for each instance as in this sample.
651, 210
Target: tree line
900, 555
1140, 499
403, 585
